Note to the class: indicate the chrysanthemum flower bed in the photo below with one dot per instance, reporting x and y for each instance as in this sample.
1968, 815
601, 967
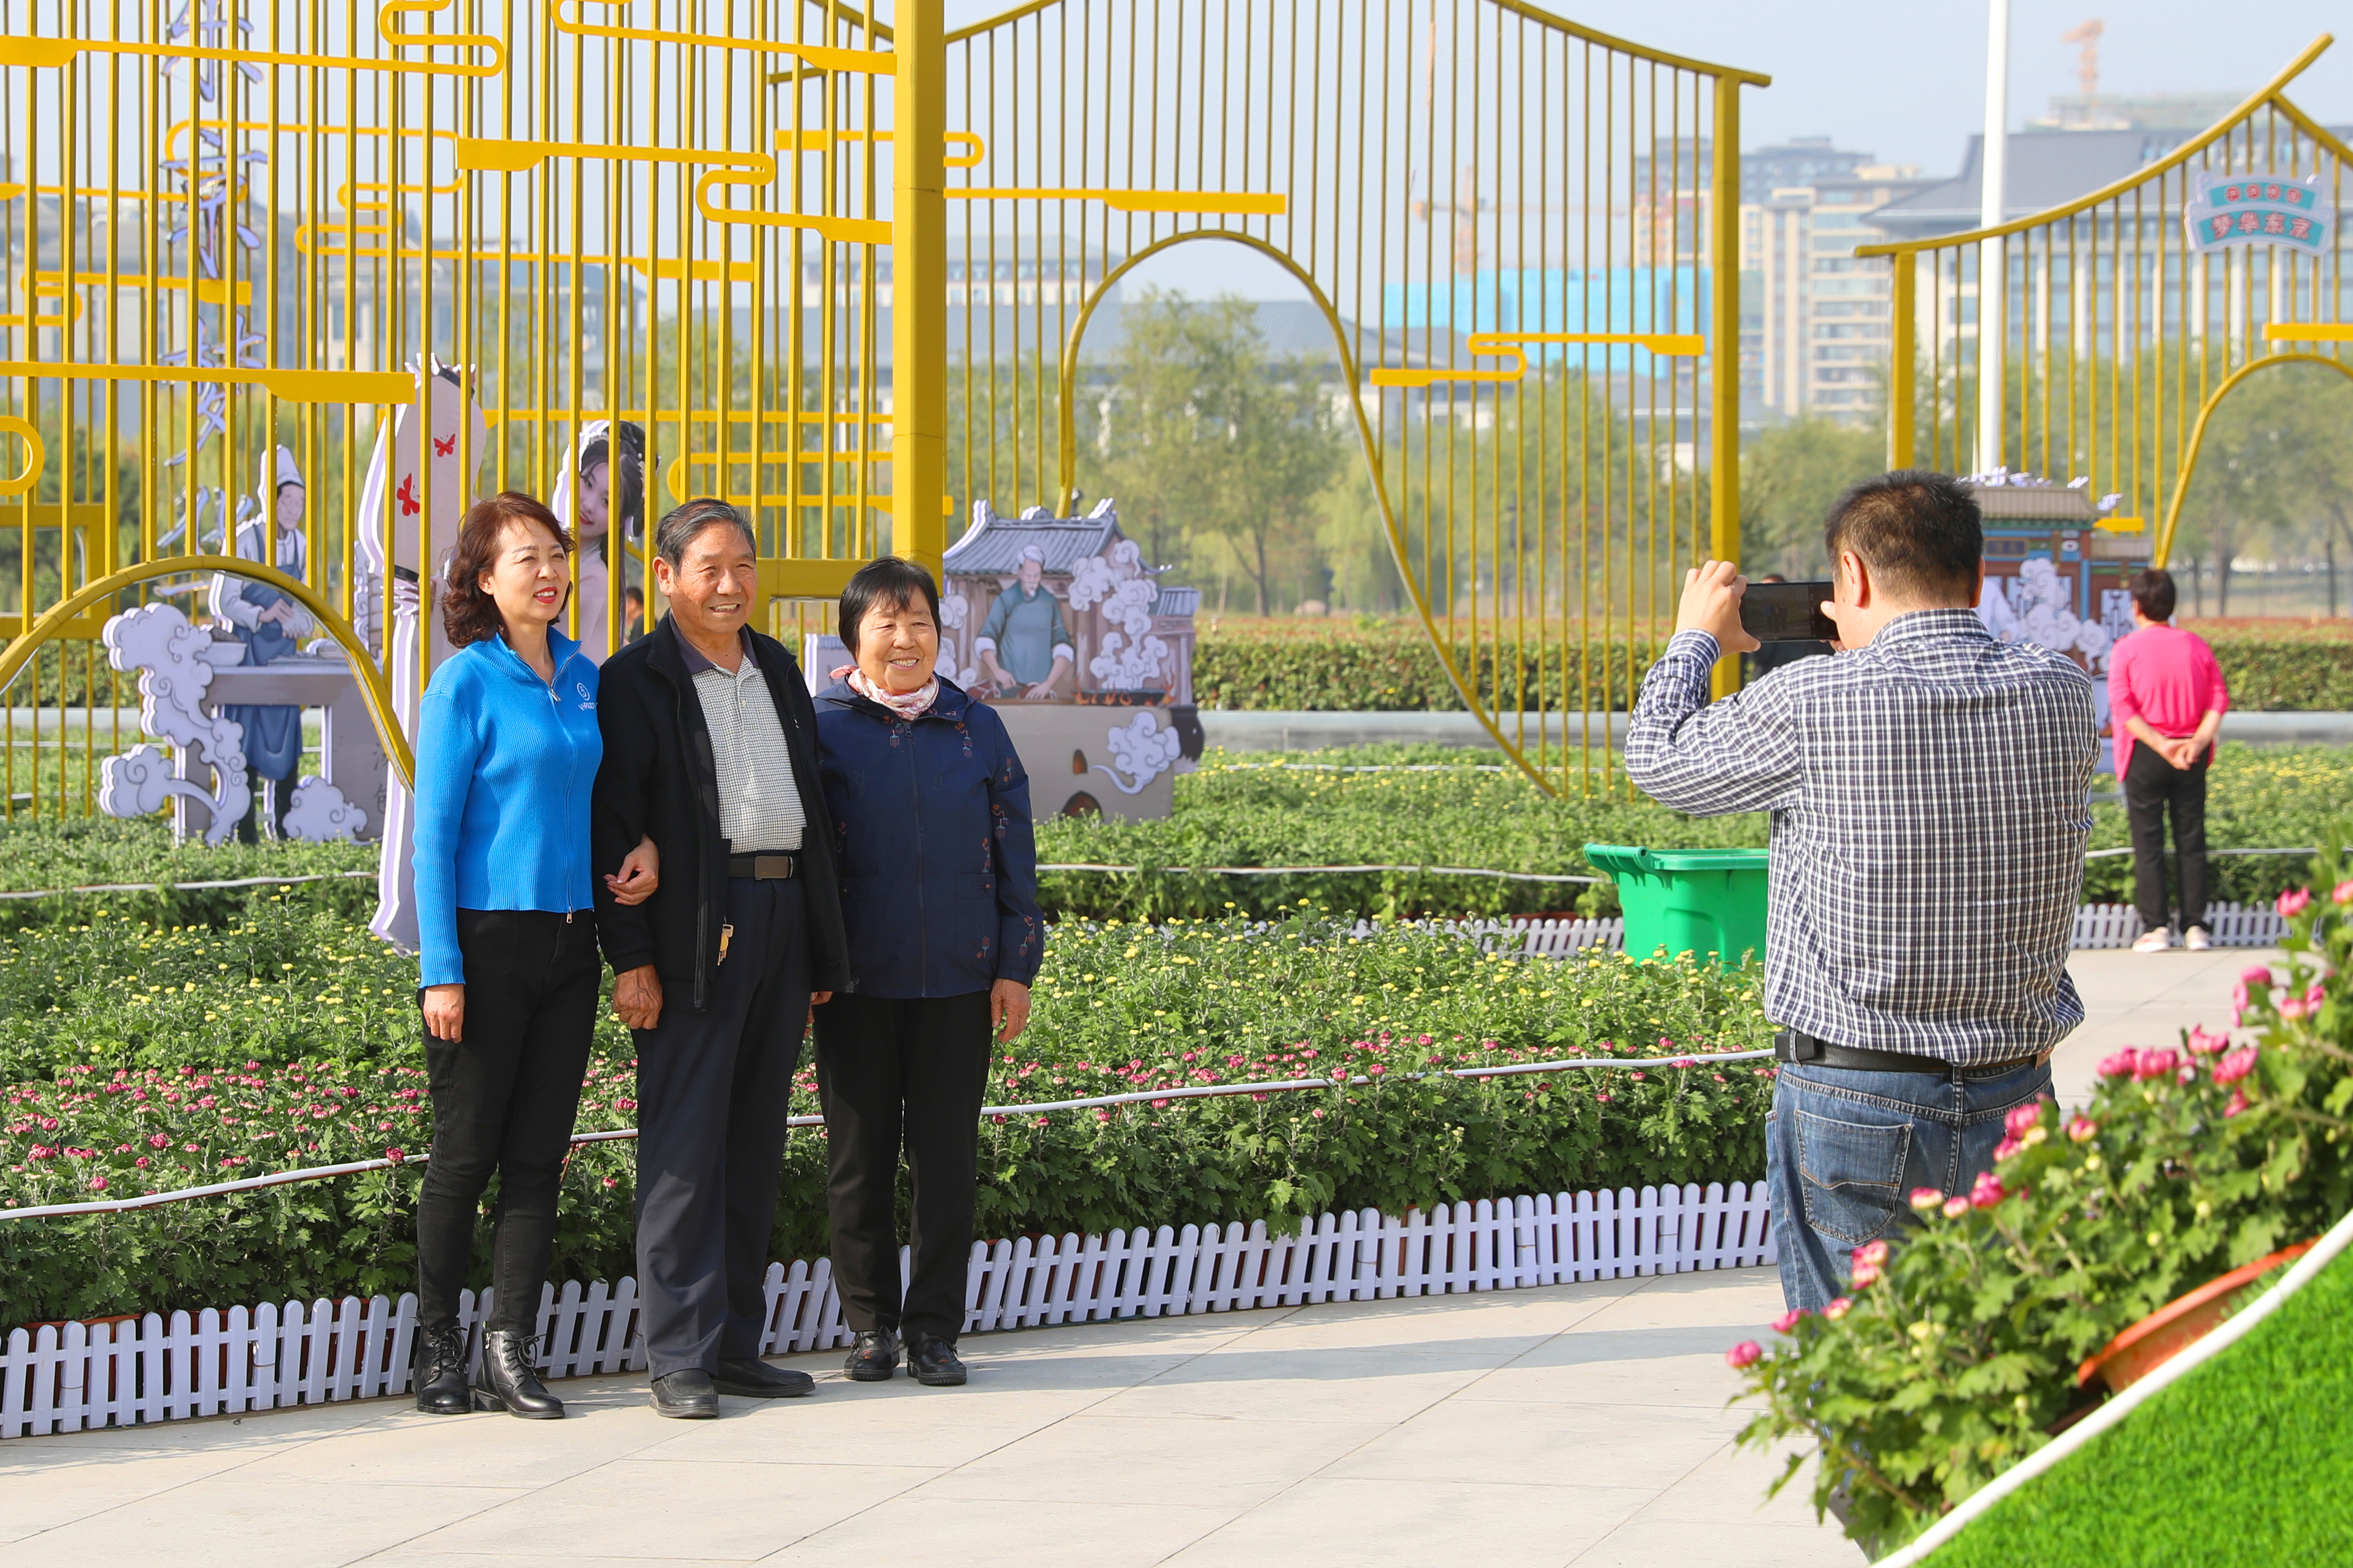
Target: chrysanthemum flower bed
290, 1038
1956, 1351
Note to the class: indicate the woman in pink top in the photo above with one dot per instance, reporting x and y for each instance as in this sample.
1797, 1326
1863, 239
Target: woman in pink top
2166, 700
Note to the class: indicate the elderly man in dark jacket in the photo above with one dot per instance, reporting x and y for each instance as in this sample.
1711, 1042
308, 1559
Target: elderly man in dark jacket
710, 751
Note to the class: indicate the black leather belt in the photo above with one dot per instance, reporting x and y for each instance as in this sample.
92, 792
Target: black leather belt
764, 867
1796, 1045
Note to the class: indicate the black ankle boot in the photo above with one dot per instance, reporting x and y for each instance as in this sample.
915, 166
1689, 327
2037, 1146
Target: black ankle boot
874, 1357
439, 1371
509, 1382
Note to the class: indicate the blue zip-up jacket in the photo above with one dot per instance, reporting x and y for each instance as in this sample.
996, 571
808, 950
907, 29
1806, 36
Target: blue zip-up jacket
939, 861
504, 765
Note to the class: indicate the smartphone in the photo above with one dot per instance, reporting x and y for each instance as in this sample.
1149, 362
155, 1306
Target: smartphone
1787, 612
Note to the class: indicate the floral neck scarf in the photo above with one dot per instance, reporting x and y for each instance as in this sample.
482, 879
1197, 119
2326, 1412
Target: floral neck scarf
907, 705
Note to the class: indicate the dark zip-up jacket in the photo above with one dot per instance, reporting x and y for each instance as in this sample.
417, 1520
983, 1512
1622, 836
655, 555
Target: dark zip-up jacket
939, 861
658, 781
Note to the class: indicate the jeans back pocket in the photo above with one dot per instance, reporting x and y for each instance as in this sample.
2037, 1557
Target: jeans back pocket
1852, 1176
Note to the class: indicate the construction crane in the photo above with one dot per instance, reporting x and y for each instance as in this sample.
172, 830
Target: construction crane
2087, 63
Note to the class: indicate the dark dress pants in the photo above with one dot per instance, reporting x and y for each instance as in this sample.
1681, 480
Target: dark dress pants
896, 1072
504, 1102
714, 1089
2155, 788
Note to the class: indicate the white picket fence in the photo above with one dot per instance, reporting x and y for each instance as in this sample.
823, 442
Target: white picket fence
2096, 925
2230, 925
78, 1376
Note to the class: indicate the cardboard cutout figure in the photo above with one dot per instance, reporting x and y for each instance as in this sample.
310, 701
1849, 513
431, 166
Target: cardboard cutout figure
600, 482
445, 416
272, 624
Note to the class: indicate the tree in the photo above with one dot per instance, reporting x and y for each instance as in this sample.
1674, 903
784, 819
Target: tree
1284, 449
1790, 475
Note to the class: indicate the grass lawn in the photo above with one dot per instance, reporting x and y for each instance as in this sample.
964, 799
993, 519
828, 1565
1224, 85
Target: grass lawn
2246, 1460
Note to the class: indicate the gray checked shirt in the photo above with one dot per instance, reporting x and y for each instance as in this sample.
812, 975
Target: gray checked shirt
1928, 801
759, 803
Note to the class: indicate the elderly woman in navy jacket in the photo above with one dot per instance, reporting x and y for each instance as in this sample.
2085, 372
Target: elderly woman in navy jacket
939, 890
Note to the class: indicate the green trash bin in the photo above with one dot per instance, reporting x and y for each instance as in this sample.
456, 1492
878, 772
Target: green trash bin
1688, 900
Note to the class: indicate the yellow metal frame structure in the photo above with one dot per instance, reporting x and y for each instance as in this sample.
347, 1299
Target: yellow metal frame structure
1446, 181
2118, 340
228, 230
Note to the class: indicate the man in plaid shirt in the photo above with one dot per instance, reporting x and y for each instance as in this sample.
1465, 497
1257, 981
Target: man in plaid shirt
1927, 786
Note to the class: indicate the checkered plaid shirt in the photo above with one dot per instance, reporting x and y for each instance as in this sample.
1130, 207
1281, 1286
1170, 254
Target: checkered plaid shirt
1927, 795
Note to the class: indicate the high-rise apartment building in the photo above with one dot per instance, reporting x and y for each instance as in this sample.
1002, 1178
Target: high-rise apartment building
1815, 322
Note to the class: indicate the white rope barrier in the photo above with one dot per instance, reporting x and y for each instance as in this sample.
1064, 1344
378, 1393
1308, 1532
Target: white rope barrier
1315, 871
189, 886
1198, 1091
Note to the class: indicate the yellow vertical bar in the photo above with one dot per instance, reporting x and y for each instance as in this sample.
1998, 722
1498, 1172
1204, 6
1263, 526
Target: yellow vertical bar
1905, 342
1724, 389
919, 295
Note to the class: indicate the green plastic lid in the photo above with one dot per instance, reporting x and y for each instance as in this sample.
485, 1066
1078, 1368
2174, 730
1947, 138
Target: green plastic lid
1624, 859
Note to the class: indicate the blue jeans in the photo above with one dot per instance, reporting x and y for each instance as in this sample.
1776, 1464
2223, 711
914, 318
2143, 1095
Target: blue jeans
1843, 1151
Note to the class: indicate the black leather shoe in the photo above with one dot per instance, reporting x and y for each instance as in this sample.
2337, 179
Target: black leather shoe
933, 1362
686, 1394
439, 1374
510, 1382
752, 1378
874, 1357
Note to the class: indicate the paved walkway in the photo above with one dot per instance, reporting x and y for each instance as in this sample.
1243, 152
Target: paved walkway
1578, 1424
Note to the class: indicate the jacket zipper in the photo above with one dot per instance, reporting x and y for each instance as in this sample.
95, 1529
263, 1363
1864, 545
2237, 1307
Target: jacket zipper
922, 907
702, 857
571, 780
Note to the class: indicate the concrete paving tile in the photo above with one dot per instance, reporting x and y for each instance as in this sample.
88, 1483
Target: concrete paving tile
895, 1423
984, 1533
488, 1448
1748, 1298
1320, 1385
257, 1524
1230, 1463
639, 1509
1645, 1543
1641, 1446
1727, 1489
1483, 1315
38, 1498
1330, 1523
555, 1557
1658, 1366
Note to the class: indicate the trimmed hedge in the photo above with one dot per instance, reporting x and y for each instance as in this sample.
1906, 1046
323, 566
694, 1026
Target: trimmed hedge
1372, 666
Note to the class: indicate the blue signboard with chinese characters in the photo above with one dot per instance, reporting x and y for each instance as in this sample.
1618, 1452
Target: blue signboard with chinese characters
2228, 209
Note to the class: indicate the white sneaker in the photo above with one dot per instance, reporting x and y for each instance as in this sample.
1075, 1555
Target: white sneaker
2196, 939
2158, 941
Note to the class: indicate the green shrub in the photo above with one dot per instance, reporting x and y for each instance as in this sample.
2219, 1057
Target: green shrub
291, 1040
1390, 666
1956, 1354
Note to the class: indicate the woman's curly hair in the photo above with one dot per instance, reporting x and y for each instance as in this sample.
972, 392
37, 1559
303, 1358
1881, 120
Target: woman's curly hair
469, 615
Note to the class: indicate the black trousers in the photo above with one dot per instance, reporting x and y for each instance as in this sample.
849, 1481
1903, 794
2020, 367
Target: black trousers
895, 1072
714, 1089
2155, 788
504, 1102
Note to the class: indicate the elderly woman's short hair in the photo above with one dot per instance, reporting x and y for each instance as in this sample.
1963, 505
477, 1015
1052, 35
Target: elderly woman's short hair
683, 526
891, 581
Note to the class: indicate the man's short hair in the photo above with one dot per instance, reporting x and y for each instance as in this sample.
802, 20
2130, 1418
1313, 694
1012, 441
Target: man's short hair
1920, 533
682, 527
888, 580
2152, 592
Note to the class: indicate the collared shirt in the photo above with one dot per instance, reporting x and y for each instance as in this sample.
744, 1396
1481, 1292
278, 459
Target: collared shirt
1928, 798
759, 803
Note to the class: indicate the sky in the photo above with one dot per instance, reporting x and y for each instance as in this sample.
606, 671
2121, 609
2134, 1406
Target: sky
1905, 80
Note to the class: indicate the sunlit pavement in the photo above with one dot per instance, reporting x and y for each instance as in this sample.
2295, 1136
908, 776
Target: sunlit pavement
1578, 1424
2145, 999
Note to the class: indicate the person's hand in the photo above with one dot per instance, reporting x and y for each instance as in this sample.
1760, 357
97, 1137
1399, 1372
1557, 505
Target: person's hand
637, 998
1711, 604
2182, 753
816, 999
1043, 691
1008, 1010
640, 877
445, 1013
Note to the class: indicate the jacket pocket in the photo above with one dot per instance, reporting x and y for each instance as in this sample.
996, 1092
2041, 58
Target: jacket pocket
1851, 1175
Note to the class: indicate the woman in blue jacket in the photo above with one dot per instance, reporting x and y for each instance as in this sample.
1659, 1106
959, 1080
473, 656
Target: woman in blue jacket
939, 891
507, 749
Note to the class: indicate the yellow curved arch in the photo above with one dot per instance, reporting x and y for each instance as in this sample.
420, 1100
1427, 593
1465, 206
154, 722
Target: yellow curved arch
2163, 550
1069, 452
374, 688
